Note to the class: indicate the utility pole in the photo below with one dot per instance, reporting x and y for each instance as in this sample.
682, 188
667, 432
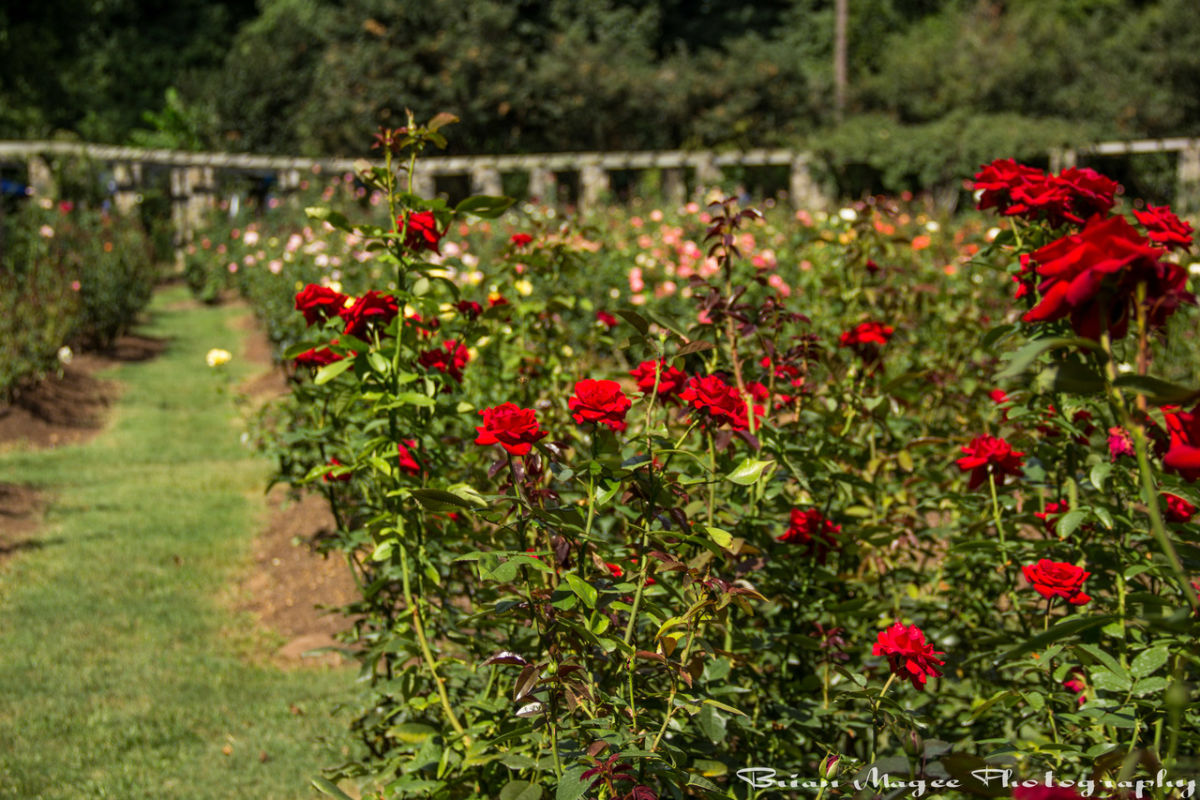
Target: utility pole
840, 14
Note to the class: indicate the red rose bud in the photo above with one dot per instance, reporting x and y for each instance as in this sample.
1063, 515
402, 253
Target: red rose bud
990, 453
1178, 509
1058, 579
867, 333
1183, 451
600, 402
614, 570
405, 457
319, 303
329, 476
1075, 682
608, 319
1164, 228
497, 300
520, 239
671, 381
515, 429
450, 359
372, 308
813, 531
420, 231
908, 654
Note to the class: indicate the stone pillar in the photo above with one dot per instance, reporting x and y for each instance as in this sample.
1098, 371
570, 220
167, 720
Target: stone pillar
594, 186
202, 196
802, 189
424, 183
673, 189
181, 192
288, 180
708, 175
543, 186
128, 178
41, 179
486, 180
1062, 158
1187, 190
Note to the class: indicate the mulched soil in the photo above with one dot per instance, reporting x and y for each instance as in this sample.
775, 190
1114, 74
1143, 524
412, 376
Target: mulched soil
20, 515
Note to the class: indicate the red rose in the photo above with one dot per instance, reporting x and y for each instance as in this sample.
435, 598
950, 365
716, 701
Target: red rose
1090, 192
1057, 579
671, 381
1164, 228
329, 476
420, 231
497, 300
319, 303
408, 463
515, 429
608, 319
998, 180
601, 402
450, 359
908, 654
520, 239
469, 308
1071, 196
1178, 509
867, 333
1050, 516
992, 453
317, 358
718, 402
371, 308
614, 569
1075, 682
1092, 277
1183, 451
811, 529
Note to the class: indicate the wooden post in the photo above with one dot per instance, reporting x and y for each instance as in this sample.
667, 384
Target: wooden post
41, 178
485, 179
201, 196
128, 178
288, 180
802, 189
543, 186
594, 186
1187, 190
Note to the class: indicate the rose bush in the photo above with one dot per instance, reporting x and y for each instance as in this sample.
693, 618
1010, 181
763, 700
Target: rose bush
627, 560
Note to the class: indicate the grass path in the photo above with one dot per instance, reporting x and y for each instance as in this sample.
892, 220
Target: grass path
122, 674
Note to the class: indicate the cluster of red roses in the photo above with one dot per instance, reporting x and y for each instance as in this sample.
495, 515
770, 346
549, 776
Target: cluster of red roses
1094, 275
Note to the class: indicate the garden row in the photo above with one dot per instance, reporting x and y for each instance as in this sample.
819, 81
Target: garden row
640, 503
70, 278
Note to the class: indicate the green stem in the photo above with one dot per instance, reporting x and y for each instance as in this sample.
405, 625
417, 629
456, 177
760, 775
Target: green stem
419, 628
996, 506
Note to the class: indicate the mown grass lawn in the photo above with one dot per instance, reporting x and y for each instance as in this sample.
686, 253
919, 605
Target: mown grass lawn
123, 673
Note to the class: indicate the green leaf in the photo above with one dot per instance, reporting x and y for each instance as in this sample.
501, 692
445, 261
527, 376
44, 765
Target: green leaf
1099, 475
711, 724
1109, 681
1070, 377
1059, 630
722, 537
749, 471
440, 120
330, 371
1104, 658
487, 206
1023, 358
1069, 522
1156, 390
1148, 661
635, 319
437, 499
584, 590
710, 702
572, 786
334, 218
328, 787
521, 790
